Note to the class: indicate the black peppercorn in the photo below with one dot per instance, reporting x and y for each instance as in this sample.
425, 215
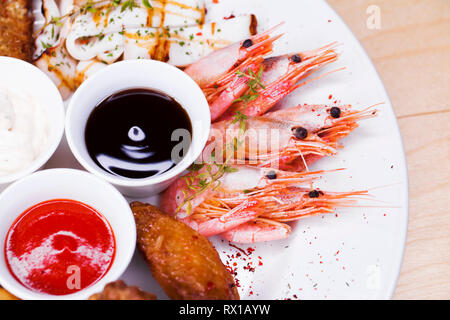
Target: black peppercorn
271, 175
247, 43
314, 194
335, 112
296, 58
300, 133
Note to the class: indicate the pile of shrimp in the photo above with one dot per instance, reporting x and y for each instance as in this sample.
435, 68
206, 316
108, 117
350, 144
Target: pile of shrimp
252, 191
224, 74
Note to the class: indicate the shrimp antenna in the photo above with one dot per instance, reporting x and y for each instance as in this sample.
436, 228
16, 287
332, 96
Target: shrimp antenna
374, 105
319, 77
385, 186
270, 30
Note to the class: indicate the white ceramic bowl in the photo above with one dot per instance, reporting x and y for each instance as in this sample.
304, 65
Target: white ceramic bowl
75, 185
23, 76
138, 74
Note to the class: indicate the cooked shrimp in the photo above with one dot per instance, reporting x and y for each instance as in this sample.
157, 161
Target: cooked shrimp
290, 204
281, 76
216, 72
289, 139
174, 199
253, 204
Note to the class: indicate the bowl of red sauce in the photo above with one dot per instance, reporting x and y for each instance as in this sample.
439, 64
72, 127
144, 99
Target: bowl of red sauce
64, 234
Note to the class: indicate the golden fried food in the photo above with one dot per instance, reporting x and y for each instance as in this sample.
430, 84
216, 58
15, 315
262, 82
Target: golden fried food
15, 29
5, 295
118, 290
185, 263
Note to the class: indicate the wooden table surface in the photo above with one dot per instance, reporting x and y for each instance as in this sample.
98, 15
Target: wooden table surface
411, 51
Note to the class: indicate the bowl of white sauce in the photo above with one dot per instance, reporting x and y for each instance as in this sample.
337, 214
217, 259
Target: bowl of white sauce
31, 119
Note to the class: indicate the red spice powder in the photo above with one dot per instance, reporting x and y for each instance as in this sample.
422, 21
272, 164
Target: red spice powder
243, 255
236, 247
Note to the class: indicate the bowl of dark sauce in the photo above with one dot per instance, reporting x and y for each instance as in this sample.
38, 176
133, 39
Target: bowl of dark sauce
138, 124
131, 133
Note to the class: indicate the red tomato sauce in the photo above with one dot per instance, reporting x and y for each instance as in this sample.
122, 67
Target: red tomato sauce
59, 247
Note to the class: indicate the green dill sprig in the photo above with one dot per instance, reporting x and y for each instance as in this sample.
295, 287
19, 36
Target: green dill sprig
147, 4
255, 85
128, 4
201, 182
254, 79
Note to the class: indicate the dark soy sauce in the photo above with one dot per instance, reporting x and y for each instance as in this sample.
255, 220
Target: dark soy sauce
129, 134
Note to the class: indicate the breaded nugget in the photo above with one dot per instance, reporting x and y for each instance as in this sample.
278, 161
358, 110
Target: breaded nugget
5, 295
15, 29
118, 290
185, 263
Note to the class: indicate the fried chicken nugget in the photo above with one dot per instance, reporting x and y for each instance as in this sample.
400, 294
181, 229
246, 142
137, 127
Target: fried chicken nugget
15, 29
185, 263
118, 290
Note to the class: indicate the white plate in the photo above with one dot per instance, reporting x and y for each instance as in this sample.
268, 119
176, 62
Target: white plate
358, 254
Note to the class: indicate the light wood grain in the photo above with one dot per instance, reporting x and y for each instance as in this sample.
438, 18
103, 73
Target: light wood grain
411, 52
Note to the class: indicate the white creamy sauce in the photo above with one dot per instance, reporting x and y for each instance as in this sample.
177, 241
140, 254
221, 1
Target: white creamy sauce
23, 131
